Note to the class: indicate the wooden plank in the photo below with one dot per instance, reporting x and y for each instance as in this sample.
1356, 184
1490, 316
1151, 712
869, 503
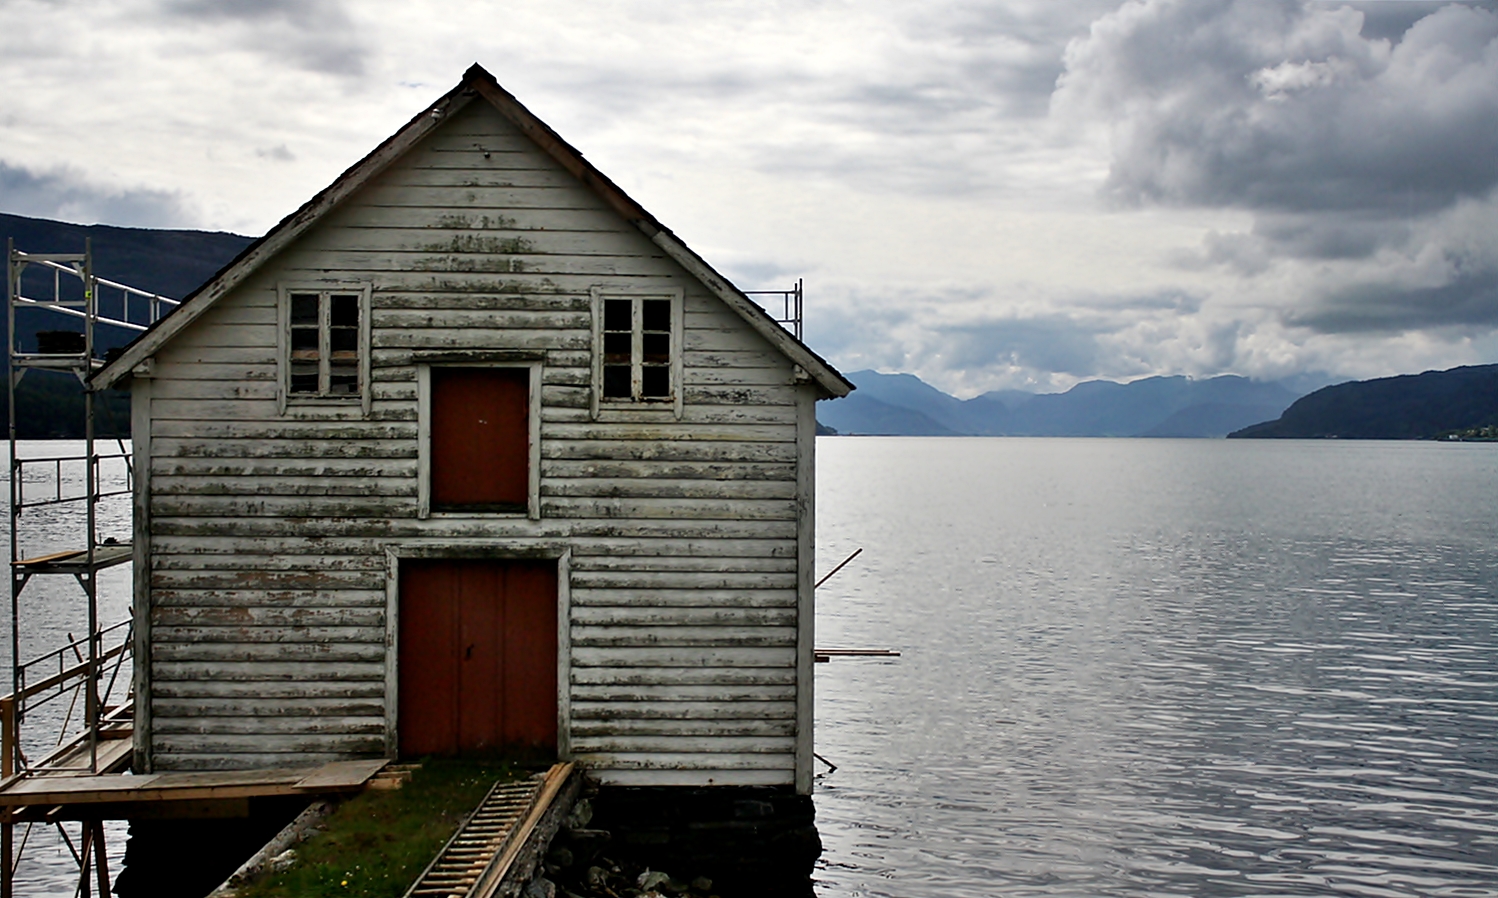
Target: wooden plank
705, 761
275, 617
270, 652
806, 442
668, 430
507, 319
675, 692
692, 778
595, 566
684, 678
309, 576
467, 529
667, 601
591, 734
647, 616
341, 775
253, 561
303, 640
575, 509
679, 450
625, 576
676, 636
258, 696
272, 670
708, 745
290, 724
283, 467
290, 706
238, 447
248, 598
673, 656
293, 745
289, 485
410, 300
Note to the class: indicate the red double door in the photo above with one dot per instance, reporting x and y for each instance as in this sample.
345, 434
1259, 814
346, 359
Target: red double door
477, 657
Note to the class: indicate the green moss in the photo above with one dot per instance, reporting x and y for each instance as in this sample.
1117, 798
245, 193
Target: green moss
375, 844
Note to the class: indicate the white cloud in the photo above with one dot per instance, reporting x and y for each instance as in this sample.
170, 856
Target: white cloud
1270, 162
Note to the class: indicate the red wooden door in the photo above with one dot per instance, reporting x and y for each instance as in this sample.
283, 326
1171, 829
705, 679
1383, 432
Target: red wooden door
477, 657
480, 445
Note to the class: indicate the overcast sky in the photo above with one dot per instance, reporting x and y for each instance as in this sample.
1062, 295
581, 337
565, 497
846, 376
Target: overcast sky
1004, 194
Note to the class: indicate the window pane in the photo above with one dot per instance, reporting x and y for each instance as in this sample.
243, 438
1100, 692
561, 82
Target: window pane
304, 339
345, 311
343, 339
616, 349
343, 380
304, 308
303, 377
656, 315
616, 381
616, 315
655, 381
657, 348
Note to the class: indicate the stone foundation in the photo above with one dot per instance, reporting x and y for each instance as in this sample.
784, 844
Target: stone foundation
747, 840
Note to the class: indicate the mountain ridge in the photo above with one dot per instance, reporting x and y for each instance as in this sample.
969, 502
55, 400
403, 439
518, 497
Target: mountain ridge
1174, 406
1425, 406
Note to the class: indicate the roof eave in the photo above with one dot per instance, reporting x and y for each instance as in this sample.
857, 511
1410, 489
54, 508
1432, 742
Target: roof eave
476, 81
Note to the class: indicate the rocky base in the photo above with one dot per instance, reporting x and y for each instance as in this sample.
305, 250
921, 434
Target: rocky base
723, 841
190, 858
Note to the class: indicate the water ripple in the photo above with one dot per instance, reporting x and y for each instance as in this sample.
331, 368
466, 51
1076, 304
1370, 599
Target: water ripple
1159, 668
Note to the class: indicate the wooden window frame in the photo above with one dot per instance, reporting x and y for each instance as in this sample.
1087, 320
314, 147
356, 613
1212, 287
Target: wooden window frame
672, 403
285, 397
424, 441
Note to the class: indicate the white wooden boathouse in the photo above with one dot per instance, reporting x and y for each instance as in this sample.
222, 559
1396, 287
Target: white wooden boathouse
471, 452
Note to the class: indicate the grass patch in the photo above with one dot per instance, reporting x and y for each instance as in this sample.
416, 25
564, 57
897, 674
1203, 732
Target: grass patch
375, 844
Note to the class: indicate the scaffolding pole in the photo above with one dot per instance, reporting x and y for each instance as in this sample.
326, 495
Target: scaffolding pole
74, 295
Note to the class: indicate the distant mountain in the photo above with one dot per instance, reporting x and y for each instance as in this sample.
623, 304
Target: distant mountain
1408, 407
168, 263
1155, 406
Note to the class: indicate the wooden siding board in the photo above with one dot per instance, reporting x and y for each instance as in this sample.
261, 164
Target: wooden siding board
679, 711
684, 598
240, 598
261, 670
683, 677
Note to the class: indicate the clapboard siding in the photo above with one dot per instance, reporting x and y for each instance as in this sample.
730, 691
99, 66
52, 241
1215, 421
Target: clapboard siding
269, 573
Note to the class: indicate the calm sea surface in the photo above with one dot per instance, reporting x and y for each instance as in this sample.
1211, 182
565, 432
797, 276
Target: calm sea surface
1159, 667
1130, 667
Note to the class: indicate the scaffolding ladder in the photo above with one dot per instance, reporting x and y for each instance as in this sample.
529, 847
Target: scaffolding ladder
65, 286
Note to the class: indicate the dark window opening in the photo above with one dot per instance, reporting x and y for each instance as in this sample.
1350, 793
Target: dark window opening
324, 345
637, 346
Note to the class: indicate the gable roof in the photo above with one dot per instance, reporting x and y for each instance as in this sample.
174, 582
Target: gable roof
477, 84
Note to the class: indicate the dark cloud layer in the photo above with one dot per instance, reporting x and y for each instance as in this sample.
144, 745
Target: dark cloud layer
1362, 137
65, 195
1286, 106
1466, 301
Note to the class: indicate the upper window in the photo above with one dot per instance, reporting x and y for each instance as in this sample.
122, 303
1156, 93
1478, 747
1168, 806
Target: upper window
325, 342
638, 347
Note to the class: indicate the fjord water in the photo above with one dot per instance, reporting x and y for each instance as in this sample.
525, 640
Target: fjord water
1159, 667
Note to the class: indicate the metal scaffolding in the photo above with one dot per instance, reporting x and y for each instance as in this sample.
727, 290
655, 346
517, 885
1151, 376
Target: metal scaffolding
94, 667
788, 315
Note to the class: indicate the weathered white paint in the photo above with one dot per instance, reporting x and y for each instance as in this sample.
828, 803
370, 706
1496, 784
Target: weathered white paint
275, 529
